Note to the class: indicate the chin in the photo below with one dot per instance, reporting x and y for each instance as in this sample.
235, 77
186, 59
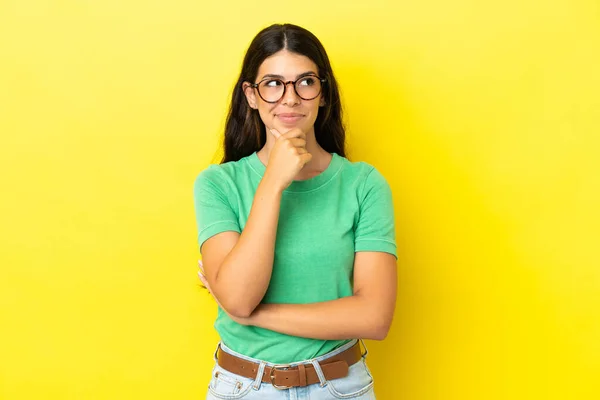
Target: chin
284, 126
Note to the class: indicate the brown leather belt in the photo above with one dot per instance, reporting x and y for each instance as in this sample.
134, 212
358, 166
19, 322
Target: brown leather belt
283, 376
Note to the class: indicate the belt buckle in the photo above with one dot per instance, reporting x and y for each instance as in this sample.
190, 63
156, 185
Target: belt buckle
273, 368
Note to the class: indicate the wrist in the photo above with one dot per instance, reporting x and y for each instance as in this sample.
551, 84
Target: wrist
271, 185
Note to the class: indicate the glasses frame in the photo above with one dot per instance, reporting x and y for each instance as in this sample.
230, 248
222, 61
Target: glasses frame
285, 85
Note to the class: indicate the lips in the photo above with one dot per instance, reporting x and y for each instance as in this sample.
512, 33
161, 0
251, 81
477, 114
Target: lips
289, 117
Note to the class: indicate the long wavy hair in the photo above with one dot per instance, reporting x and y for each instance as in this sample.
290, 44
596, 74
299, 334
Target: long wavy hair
245, 132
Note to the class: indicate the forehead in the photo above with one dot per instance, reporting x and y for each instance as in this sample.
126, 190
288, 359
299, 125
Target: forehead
287, 64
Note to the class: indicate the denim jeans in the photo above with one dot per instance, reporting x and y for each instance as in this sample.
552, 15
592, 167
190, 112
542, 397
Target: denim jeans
358, 384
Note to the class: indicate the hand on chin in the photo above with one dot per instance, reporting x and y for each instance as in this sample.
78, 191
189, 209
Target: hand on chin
284, 126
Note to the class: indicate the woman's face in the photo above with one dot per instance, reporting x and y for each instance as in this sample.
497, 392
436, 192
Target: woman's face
291, 111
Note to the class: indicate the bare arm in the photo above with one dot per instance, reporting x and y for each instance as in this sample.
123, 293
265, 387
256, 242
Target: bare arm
367, 314
237, 266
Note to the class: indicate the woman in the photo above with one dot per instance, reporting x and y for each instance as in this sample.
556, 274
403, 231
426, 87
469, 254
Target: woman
297, 242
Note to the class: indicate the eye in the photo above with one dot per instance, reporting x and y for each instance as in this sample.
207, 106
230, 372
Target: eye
308, 81
273, 83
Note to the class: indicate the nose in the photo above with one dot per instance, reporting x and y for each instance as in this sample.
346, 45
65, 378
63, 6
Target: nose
290, 97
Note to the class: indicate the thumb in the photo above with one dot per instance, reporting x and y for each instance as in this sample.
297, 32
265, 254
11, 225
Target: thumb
275, 133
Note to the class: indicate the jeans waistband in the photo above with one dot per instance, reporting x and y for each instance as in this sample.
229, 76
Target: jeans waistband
319, 358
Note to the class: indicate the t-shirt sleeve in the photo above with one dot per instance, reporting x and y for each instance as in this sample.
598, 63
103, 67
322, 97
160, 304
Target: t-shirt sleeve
375, 228
214, 213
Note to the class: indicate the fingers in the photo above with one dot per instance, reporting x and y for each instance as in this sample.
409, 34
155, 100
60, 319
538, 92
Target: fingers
295, 136
202, 276
203, 280
292, 133
295, 133
275, 133
298, 142
205, 284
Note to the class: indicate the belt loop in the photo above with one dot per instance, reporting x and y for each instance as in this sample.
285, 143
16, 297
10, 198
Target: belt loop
319, 372
216, 351
259, 375
302, 375
366, 350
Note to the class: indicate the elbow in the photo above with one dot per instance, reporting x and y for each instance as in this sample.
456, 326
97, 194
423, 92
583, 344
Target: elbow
240, 312
380, 334
236, 304
240, 309
380, 329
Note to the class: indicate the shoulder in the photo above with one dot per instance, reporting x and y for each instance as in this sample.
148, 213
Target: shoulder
220, 176
209, 178
364, 174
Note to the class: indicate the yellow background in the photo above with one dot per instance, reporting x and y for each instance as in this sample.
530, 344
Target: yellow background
483, 116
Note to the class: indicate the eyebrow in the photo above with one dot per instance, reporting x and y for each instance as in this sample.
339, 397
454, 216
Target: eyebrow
283, 78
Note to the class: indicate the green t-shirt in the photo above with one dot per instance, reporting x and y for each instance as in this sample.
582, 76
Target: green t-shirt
323, 221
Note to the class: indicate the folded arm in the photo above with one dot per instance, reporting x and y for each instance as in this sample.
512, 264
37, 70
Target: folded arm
237, 273
367, 314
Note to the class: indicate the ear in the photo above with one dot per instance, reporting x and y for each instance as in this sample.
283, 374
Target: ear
322, 101
250, 95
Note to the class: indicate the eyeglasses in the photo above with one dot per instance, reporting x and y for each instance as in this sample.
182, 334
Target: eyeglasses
272, 90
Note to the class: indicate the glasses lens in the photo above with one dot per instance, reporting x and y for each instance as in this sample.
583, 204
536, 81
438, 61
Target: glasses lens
308, 87
271, 89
